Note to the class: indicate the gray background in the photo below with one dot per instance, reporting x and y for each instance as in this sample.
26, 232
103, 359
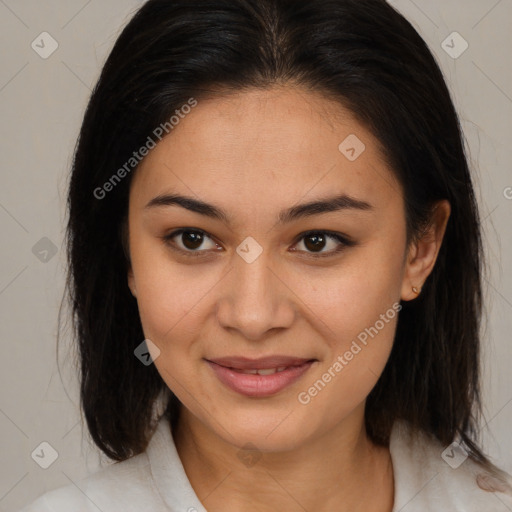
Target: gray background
42, 103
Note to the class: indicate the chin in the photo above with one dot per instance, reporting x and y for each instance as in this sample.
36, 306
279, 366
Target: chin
267, 431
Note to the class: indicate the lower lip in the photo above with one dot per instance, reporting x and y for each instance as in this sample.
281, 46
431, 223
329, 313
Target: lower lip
256, 385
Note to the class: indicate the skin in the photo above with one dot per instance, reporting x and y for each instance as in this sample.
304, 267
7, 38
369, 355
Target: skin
254, 154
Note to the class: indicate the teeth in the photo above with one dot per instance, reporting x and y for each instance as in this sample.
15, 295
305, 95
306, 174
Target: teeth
270, 371
266, 371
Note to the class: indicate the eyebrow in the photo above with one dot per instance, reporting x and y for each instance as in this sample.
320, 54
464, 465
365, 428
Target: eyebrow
329, 204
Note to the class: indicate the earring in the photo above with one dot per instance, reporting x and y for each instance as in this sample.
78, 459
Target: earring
416, 290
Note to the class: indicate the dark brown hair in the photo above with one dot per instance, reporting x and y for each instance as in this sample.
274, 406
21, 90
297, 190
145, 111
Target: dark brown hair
368, 57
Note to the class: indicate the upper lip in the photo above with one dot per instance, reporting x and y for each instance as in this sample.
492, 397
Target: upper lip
244, 363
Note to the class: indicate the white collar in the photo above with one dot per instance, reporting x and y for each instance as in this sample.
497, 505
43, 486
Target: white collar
423, 480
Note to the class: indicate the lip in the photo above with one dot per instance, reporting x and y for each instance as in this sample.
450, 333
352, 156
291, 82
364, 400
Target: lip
227, 370
245, 363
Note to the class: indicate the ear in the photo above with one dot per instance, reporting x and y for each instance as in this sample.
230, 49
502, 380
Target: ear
422, 253
131, 282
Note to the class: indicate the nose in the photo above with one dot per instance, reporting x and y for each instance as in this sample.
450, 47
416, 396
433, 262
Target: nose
255, 299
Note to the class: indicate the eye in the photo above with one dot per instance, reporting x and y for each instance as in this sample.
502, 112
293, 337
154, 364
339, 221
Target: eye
316, 241
190, 241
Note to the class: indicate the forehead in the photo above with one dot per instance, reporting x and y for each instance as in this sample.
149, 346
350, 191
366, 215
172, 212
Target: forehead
276, 145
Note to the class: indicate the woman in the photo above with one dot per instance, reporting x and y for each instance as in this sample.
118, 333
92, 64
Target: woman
275, 268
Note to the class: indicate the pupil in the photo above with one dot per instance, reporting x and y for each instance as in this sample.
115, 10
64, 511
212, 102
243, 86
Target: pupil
318, 242
192, 240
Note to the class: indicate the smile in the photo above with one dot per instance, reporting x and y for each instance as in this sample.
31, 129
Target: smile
267, 371
259, 378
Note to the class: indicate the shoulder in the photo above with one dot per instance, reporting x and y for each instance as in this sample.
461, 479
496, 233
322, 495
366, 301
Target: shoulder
121, 486
153, 480
430, 476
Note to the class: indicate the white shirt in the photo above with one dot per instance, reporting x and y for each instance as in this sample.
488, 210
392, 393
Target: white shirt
156, 481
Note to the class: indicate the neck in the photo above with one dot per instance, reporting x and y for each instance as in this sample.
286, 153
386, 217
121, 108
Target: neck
334, 471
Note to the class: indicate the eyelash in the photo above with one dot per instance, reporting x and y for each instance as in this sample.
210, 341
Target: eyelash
344, 242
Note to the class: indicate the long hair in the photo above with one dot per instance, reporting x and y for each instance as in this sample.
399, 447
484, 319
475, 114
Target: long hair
362, 53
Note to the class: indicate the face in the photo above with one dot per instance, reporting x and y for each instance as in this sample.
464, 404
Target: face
261, 278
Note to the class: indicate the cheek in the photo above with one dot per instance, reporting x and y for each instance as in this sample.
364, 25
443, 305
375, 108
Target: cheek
169, 300
357, 306
355, 360
352, 296
164, 295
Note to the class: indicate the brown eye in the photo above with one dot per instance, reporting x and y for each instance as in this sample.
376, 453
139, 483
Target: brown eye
315, 242
190, 241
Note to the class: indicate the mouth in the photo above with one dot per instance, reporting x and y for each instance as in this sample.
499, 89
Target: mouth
259, 377
262, 371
